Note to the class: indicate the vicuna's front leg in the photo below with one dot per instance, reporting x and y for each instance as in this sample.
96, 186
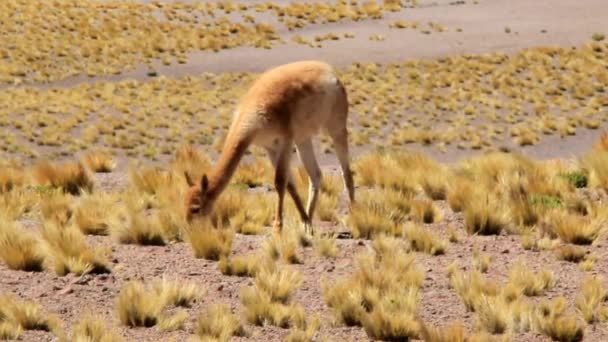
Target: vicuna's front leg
280, 183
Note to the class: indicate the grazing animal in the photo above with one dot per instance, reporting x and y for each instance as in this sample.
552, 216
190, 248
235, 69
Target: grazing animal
286, 105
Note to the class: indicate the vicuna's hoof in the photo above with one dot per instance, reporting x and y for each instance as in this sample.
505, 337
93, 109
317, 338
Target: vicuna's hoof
277, 227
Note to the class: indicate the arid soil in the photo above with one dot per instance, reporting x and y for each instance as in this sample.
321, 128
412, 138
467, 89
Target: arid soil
531, 23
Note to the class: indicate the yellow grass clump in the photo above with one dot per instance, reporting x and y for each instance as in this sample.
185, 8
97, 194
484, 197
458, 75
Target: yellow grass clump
98, 161
591, 301
422, 240
66, 251
91, 327
19, 248
381, 295
218, 323
17, 314
208, 241
70, 176
138, 305
269, 300
95, 213
551, 321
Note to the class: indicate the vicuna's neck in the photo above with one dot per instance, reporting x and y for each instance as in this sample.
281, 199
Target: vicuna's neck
234, 149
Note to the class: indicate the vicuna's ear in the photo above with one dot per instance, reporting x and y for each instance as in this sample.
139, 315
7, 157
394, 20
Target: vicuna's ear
188, 178
204, 184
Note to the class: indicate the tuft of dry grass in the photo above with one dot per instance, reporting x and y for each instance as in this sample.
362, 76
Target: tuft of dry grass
17, 314
551, 321
11, 178
175, 292
70, 176
149, 180
484, 215
368, 219
529, 283
269, 301
218, 323
67, 251
19, 248
136, 307
306, 333
422, 240
244, 265
93, 213
56, 207
590, 302
139, 229
16, 203
325, 246
573, 228
98, 161
93, 328
571, 253
142, 306
208, 241
454, 332
381, 295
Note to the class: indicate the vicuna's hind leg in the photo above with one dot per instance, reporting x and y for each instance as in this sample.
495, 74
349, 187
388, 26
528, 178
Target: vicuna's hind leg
307, 156
340, 139
291, 188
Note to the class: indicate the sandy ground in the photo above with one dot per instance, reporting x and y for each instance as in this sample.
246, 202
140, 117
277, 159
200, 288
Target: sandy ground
532, 23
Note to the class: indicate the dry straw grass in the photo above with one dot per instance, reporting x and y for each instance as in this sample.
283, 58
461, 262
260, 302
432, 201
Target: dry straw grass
138, 305
67, 251
17, 315
218, 323
381, 295
269, 300
70, 176
19, 248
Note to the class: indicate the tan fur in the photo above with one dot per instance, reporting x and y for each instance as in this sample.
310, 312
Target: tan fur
286, 105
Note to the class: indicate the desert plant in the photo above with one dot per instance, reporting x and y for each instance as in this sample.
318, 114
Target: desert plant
575, 229
139, 229
17, 314
422, 240
454, 332
269, 300
218, 323
19, 249
207, 241
325, 246
484, 216
67, 251
70, 176
93, 213
551, 321
571, 253
98, 161
92, 328
530, 284
590, 302
136, 306
175, 292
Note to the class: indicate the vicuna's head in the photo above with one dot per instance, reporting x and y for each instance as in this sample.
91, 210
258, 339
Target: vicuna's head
197, 200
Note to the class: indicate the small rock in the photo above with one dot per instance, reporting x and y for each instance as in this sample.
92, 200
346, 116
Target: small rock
66, 290
506, 251
220, 287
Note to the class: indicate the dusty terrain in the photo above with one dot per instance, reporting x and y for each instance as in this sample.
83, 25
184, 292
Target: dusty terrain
482, 29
